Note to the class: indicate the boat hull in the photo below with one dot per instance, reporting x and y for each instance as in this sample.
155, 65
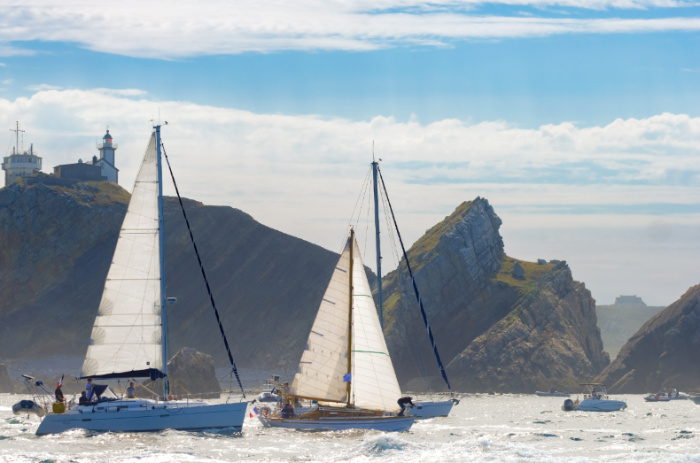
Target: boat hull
378, 423
122, 417
600, 405
425, 410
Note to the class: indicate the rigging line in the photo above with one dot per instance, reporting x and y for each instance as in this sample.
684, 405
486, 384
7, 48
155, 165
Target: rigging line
415, 288
401, 285
360, 201
204, 275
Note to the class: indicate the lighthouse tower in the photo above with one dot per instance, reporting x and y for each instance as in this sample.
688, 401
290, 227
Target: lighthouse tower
106, 160
20, 164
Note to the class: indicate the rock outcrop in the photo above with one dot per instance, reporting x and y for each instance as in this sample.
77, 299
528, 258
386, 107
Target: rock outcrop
191, 374
500, 324
665, 352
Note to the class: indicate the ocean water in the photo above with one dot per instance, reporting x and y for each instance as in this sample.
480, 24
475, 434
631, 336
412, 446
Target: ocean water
482, 428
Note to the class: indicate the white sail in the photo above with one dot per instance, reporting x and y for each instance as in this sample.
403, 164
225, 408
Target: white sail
374, 383
126, 336
324, 362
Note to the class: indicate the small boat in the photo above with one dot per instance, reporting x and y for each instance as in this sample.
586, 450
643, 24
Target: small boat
128, 338
269, 390
552, 393
28, 406
664, 396
346, 371
658, 397
596, 401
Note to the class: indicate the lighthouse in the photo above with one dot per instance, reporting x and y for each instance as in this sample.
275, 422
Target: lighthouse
106, 160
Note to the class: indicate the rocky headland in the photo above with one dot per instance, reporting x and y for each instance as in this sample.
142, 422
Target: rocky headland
501, 324
663, 353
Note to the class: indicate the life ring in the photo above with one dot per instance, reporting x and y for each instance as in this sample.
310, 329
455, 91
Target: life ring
265, 412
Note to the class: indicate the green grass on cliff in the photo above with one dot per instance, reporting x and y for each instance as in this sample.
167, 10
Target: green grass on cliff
98, 192
533, 272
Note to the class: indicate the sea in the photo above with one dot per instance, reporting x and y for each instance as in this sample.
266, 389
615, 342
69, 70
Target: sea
481, 428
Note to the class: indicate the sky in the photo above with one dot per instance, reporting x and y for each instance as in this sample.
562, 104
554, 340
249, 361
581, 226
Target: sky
578, 120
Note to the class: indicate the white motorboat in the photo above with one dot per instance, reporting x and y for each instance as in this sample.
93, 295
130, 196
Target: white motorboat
596, 401
552, 393
129, 336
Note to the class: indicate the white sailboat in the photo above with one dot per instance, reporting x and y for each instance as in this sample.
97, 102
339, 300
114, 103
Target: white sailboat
345, 370
129, 334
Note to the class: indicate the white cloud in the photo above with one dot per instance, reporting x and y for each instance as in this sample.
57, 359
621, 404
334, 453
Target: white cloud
180, 28
302, 174
43, 87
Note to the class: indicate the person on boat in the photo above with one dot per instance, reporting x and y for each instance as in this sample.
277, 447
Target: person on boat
287, 411
83, 399
59, 393
131, 391
402, 403
88, 389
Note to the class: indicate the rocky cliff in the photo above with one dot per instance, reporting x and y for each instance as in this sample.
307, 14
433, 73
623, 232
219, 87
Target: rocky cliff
500, 324
665, 352
57, 243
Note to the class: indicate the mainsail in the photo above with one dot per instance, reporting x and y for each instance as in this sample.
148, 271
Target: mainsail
126, 338
324, 361
323, 364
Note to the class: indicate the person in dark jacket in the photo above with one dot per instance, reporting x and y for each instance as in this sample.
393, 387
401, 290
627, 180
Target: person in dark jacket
402, 403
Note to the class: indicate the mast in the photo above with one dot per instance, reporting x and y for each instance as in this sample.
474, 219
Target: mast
380, 308
352, 245
161, 239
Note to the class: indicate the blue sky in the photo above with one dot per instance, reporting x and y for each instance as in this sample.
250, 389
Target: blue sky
578, 120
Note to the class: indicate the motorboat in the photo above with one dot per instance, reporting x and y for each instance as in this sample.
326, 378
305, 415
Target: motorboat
552, 393
596, 400
664, 396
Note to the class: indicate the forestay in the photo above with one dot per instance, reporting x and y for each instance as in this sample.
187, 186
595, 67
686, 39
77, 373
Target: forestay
374, 383
126, 337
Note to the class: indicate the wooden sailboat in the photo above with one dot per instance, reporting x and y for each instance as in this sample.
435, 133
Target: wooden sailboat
129, 336
345, 370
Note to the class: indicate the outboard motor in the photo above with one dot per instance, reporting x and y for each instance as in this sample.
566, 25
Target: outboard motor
568, 405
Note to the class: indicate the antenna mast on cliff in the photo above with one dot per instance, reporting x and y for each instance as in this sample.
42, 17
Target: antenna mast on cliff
16, 130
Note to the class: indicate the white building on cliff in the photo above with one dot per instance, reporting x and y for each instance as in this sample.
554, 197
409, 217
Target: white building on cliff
20, 163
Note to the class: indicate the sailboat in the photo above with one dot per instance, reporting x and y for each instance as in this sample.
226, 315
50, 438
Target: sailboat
345, 370
129, 336
421, 409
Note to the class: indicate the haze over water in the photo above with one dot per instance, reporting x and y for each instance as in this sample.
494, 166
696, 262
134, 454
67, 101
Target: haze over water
482, 428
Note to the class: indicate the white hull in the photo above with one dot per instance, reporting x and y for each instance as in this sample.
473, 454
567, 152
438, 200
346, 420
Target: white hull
431, 409
600, 405
146, 416
381, 423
